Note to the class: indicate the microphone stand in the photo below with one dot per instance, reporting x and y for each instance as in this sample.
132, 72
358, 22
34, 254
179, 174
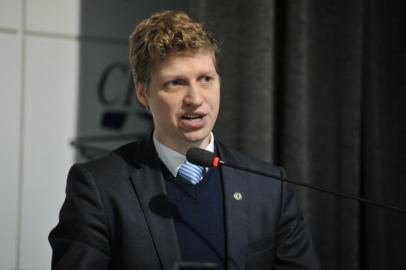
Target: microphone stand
338, 194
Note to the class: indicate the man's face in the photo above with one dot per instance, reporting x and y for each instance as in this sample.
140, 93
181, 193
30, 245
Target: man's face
184, 98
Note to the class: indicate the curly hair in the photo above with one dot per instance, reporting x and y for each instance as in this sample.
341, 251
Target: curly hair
163, 34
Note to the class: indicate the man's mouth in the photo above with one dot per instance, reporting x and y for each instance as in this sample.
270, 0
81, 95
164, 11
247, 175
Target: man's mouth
193, 117
194, 120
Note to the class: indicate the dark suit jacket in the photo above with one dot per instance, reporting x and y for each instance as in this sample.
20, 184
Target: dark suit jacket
116, 216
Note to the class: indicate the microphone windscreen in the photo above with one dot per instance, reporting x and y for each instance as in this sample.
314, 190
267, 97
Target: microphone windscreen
200, 157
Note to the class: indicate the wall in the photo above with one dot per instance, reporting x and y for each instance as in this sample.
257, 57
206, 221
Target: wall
10, 137
53, 53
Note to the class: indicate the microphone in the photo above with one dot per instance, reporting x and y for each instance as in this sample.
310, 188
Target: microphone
206, 158
202, 157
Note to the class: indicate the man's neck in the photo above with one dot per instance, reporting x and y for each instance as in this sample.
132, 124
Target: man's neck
183, 147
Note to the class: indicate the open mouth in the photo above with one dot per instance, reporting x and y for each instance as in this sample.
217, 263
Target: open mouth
193, 117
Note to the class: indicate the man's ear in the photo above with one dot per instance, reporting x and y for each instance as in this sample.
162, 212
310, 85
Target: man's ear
141, 91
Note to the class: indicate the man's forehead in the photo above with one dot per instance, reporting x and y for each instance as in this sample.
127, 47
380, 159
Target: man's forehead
189, 61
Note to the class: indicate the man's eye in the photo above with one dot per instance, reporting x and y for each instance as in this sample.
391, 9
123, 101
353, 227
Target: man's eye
206, 79
175, 83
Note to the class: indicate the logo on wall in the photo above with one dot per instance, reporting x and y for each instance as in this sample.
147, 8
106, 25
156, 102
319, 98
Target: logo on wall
120, 103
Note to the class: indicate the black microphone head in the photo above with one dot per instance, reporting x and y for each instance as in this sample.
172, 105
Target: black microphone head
201, 157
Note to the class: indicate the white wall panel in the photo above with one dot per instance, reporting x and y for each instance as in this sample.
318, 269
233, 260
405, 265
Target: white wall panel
53, 16
9, 155
50, 124
9, 14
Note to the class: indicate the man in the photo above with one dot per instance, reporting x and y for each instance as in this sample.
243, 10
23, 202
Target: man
143, 207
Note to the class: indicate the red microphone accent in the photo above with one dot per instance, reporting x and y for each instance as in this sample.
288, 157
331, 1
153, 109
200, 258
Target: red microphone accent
215, 162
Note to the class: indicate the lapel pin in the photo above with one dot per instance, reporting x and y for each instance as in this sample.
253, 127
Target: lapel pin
238, 196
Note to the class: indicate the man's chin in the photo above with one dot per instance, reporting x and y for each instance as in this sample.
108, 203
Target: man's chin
198, 140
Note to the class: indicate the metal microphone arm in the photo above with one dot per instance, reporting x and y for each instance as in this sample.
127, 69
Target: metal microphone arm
338, 194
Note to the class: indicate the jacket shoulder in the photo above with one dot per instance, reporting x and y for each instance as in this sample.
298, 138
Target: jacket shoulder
114, 165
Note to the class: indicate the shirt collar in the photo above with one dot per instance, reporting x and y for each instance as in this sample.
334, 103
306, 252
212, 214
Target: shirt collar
172, 159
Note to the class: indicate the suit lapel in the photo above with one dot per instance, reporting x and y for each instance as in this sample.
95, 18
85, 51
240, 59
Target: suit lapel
150, 189
236, 199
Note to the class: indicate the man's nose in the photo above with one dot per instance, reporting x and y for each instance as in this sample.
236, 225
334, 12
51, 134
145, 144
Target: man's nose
193, 96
